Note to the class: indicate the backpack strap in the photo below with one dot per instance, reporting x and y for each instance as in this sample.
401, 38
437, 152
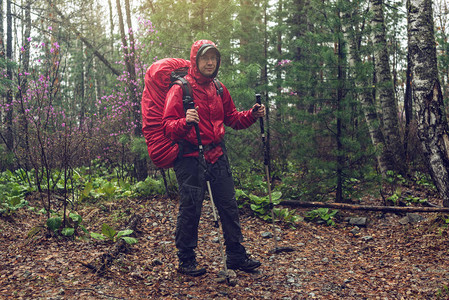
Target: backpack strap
219, 87
187, 98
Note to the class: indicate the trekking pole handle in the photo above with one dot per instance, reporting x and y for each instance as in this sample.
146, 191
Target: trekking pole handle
262, 132
189, 104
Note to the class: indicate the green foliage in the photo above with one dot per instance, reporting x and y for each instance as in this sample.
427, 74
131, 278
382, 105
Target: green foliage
262, 207
149, 187
107, 232
322, 215
424, 180
6, 159
394, 178
100, 188
398, 197
139, 147
13, 192
414, 200
72, 228
54, 224
395, 197
6, 83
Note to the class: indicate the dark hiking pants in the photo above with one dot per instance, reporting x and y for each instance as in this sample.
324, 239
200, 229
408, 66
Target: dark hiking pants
192, 186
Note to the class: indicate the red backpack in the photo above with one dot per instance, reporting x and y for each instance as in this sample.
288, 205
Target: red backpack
158, 81
159, 78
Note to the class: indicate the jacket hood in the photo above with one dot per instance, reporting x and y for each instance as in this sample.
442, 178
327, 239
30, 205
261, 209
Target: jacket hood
198, 48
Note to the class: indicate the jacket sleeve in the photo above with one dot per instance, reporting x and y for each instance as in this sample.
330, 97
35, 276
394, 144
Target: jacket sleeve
233, 118
173, 119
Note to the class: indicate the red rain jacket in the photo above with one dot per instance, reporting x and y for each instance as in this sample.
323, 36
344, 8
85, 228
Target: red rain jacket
214, 111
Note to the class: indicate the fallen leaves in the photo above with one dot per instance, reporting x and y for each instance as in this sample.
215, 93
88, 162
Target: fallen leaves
328, 262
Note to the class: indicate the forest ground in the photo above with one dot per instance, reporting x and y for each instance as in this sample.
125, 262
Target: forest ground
386, 259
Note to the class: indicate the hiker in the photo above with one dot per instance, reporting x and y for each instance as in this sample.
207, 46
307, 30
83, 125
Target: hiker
213, 110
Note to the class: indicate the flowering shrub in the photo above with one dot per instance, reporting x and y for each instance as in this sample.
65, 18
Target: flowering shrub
53, 133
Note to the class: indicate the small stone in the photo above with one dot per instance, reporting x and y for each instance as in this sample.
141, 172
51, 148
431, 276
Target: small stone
404, 220
358, 221
157, 262
267, 235
414, 218
231, 273
367, 238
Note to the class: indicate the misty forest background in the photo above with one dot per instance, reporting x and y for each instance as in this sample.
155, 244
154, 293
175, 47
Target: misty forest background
356, 94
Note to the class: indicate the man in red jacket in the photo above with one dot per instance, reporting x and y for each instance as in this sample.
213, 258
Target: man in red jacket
212, 112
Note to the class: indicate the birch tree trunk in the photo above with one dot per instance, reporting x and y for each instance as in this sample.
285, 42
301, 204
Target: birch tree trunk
432, 124
385, 91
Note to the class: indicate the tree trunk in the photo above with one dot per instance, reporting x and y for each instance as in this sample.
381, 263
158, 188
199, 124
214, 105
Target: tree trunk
345, 206
82, 87
265, 83
2, 31
139, 164
132, 63
408, 106
2, 50
384, 86
23, 81
111, 25
365, 97
432, 124
9, 95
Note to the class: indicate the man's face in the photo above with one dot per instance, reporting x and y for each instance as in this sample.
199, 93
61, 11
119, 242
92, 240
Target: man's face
207, 63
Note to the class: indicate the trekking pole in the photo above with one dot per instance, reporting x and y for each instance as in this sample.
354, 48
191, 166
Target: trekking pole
214, 211
267, 173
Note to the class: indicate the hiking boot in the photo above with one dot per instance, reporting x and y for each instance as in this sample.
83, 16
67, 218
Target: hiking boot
190, 268
245, 264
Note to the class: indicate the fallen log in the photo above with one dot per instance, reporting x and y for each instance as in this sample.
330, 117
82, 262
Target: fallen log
100, 265
345, 206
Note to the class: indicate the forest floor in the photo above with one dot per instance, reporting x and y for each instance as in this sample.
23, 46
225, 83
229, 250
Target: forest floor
386, 259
